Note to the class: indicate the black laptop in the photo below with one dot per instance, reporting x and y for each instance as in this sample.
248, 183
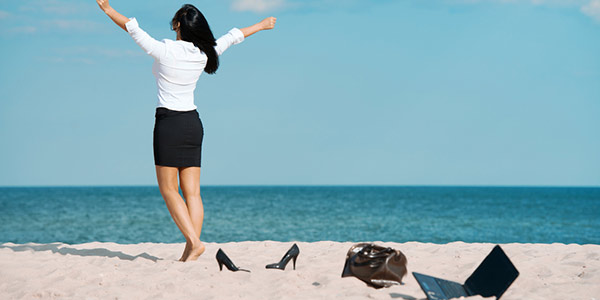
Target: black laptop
492, 278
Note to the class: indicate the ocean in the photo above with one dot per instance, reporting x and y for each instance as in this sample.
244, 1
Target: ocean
306, 213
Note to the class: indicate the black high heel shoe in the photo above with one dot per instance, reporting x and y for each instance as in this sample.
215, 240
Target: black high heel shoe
222, 259
291, 254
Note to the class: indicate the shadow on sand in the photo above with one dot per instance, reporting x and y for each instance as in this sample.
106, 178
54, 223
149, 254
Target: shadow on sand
405, 297
61, 249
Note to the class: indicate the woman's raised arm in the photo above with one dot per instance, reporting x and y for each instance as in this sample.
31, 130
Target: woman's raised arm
236, 36
266, 24
118, 18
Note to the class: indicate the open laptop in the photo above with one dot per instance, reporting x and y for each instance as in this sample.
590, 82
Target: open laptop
492, 278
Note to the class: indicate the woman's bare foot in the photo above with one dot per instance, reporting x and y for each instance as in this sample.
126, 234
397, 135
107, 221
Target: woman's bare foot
195, 252
186, 252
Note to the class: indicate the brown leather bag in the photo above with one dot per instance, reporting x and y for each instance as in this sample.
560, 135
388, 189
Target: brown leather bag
377, 266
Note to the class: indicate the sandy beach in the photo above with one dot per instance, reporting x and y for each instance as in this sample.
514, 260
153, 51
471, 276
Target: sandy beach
151, 271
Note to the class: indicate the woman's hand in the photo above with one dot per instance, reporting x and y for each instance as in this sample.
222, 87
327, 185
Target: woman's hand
118, 18
104, 5
266, 24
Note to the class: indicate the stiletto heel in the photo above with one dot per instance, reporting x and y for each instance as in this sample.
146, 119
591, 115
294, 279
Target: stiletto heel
294, 261
222, 259
292, 254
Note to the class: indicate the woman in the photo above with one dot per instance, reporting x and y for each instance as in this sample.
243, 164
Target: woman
178, 130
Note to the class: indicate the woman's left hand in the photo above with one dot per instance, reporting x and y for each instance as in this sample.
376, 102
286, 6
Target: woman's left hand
103, 4
268, 23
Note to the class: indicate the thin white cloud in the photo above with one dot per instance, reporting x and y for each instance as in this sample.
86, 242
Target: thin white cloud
537, 2
71, 25
87, 55
4, 14
64, 60
21, 29
56, 7
592, 9
83, 60
258, 6
113, 53
262, 6
98, 52
589, 7
48, 16
56, 25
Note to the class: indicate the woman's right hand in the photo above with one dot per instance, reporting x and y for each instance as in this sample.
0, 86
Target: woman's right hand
103, 4
266, 24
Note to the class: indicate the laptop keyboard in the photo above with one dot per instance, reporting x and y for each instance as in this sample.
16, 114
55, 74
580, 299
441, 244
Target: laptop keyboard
450, 288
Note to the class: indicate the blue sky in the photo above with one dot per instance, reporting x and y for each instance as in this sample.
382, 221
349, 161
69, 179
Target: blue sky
341, 92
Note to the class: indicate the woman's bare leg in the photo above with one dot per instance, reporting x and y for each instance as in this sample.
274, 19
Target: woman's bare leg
169, 189
190, 186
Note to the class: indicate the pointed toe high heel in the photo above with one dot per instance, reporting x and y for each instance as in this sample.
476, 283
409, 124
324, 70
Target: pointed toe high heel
222, 259
291, 254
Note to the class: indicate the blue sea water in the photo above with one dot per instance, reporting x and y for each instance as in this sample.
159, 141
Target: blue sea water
306, 213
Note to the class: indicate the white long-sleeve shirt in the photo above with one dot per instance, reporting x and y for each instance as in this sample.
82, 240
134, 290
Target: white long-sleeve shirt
178, 64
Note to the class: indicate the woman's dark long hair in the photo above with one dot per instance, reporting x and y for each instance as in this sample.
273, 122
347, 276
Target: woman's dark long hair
194, 28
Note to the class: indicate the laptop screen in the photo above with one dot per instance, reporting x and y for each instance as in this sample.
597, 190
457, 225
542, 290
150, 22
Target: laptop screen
493, 276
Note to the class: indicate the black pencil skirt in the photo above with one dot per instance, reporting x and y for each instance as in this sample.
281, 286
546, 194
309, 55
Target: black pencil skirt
177, 138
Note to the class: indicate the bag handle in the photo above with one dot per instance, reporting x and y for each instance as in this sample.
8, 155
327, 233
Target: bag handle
380, 251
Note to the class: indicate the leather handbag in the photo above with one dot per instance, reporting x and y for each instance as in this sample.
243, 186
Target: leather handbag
377, 266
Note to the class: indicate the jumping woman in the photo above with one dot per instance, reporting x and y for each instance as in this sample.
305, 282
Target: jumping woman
178, 131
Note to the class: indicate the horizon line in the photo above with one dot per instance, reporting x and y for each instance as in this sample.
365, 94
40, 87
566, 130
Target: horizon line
316, 185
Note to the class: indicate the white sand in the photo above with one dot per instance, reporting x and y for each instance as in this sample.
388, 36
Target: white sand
150, 271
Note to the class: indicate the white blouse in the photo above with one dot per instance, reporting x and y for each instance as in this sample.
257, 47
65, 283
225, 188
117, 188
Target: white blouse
178, 64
